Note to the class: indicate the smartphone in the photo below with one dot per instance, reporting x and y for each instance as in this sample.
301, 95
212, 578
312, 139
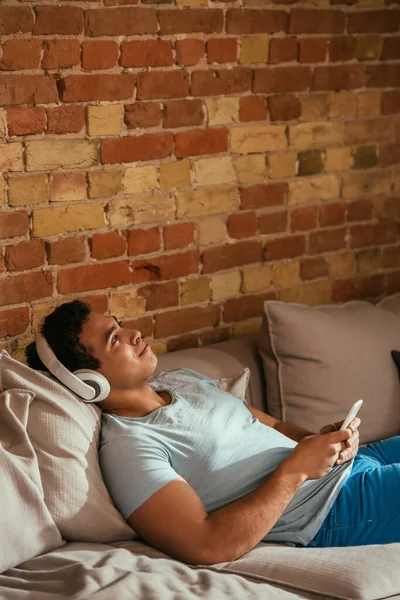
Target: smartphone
351, 414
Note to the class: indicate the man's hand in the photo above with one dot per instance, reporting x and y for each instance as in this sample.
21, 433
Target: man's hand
350, 447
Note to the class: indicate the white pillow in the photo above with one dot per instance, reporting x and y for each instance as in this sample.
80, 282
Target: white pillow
236, 385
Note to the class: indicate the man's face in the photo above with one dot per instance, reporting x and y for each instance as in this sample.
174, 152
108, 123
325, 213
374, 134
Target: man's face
126, 360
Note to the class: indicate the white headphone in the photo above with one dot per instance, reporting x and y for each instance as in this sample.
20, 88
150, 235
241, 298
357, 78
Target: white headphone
90, 385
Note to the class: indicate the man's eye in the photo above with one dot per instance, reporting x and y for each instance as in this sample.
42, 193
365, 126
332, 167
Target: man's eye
114, 339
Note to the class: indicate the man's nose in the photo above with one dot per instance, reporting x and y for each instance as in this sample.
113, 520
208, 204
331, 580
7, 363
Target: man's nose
136, 336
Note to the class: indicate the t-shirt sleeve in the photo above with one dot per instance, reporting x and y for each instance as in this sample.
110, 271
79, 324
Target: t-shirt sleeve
134, 470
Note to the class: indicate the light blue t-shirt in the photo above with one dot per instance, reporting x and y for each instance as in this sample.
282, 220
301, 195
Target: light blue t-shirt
210, 439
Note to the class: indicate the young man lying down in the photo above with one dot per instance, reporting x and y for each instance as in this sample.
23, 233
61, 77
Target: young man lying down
202, 476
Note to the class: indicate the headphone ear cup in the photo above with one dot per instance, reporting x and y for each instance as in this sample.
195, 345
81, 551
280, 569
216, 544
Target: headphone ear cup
97, 381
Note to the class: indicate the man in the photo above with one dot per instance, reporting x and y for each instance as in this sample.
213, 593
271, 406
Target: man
204, 477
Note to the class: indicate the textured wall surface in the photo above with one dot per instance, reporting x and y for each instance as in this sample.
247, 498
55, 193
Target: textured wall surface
176, 165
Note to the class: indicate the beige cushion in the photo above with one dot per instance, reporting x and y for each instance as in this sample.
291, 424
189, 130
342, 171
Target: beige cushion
65, 434
26, 526
319, 360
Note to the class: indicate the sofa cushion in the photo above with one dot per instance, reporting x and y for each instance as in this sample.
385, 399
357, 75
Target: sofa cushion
318, 360
27, 528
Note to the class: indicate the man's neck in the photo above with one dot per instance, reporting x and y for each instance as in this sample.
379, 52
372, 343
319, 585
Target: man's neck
135, 403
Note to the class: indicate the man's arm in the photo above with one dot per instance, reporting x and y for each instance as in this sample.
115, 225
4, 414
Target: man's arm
291, 431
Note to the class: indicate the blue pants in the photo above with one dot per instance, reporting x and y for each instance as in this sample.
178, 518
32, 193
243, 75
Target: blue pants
367, 509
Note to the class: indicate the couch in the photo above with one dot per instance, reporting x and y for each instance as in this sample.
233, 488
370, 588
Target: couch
61, 535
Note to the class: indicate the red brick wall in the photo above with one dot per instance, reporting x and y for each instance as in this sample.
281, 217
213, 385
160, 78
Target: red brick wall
176, 165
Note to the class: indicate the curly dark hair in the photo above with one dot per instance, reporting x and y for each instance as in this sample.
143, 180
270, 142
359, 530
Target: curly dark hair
61, 329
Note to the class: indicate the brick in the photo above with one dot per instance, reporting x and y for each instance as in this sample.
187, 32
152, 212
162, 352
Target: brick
26, 287
258, 138
160, 295
245, 20
303, 20
341, 265
365, 157
30, 189
387, 75
250, 168
327, 240
183, 113
214, 170
282, 165
162, 84
201, 141
20, 54
60, 219
365, 183
314, 106
221, 111
320, 187
377, 130
312, 50
285, 273
179, 235
144, 241
119, 2
45, 155
194, 290
368, 261
277, 80
190, 340
314, 268
303, 219
65, 119
338, 159
212, 231
274, 222
225, 285
242, 225
120, 21
68, 186
364, 286
232, 255
174, 174
188, 319
245, 328
391, 256
65, 20
392, 282
360, 210
15, 19
342, 104
245, 307
26, 120
222, 50
284, 108
391, 48
14, 321
143, 324
142, 114
125, 304
146, 53
252, 108
140, 179
104, 120
257, 279
27, 89
190, 21
99, 55
390, 102
313, 294
332, 214
342, 48
285, 247
310, 162
318, 133
221, 82
25, 255
93, 277
66, 251
373, 21
83, 88
373, 234
11, 157
132, 149
389, 154
254, 49
103, 184
386, 208
141, 209
283, 50
165, 267
368, 47
338, 77
107, 245
2, 189
211, 201
189, 51
59, 54
264, 195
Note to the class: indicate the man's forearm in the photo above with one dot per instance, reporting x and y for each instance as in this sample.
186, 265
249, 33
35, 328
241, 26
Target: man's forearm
292, 431
236, 528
